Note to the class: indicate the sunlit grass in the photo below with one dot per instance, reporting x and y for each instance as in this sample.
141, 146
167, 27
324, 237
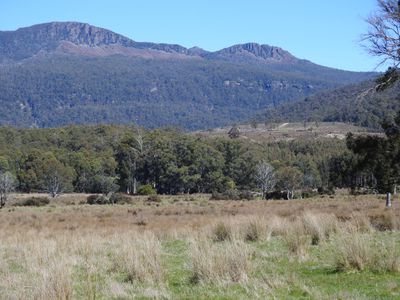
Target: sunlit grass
251, 255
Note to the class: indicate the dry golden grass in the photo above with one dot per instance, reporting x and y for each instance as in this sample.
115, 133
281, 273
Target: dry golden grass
296, 239
319, 226
176, 213
211, 262
68, 250
139, 259
357, 249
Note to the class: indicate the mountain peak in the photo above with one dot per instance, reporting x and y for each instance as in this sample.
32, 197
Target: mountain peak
75, 32
248, 51
29, 41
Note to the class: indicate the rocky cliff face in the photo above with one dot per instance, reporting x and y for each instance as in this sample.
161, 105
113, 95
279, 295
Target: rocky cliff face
245, 52
68, 37
27, 42
77, 33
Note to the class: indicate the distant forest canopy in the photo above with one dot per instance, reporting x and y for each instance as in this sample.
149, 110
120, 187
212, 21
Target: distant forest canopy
101, 159
359, 104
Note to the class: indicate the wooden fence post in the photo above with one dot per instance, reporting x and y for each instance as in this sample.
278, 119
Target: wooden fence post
388, 200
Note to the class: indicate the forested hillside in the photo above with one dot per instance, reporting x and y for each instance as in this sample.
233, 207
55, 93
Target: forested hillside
58, 74
359, 104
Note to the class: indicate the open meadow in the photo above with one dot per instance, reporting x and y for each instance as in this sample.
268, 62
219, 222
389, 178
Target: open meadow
190, 247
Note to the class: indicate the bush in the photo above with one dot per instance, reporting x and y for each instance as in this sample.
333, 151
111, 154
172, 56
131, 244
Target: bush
97, 199
326, 190
246, 195
277, 195
119, 198
154, 198
146, 189
309, 193
33, 201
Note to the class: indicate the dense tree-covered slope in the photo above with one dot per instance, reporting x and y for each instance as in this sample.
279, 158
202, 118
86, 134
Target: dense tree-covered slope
72, 73
359, 103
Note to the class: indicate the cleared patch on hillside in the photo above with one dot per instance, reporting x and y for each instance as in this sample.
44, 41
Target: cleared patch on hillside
289, 131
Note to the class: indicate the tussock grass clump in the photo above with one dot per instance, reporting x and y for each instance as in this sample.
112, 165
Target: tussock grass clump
360, 251
278, 226
139, 260
222, 232
361, 223
60, 285
296, 239
256, 230
387, 258
219, 263
387, 221
354, 252
319, 226
54, 281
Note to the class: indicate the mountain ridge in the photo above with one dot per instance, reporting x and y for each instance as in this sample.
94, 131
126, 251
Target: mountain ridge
49, 36
61, 73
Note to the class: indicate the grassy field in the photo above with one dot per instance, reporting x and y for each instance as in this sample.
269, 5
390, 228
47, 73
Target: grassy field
189, 247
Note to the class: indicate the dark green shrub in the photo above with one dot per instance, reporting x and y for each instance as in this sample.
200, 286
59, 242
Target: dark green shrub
33, 201
146, 189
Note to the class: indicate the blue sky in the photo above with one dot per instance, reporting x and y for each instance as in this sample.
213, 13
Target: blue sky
325, 32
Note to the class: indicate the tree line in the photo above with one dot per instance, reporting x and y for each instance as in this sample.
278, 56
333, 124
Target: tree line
106, 158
